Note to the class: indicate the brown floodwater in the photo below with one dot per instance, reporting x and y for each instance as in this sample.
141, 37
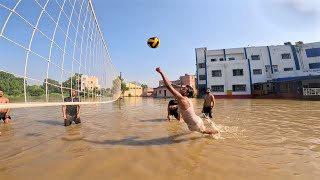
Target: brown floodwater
131, 139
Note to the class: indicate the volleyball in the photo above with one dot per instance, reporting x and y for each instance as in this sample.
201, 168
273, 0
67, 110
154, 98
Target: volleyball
153, 42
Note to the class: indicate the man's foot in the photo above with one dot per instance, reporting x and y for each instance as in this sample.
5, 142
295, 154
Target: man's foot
211, 131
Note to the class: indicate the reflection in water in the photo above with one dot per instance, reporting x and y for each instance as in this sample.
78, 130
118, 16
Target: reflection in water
270, 139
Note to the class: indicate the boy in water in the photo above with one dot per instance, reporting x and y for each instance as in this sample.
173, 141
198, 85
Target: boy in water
185, 105
208, 103
4, 113
173, 109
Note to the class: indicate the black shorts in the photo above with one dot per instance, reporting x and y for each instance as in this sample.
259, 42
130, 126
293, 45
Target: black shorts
207, 110
3, 116
174, 113
70, 118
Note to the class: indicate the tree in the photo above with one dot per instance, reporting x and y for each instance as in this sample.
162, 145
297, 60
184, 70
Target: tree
123, 85
75, 81
10, 84
35, 90
116, 86
51, 87
144, 86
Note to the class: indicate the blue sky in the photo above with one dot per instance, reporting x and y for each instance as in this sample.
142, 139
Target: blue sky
181, 26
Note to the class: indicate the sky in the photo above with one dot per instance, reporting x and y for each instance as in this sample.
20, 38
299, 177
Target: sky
183, 25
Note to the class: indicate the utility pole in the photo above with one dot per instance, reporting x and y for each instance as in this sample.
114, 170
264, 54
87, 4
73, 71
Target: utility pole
122, 91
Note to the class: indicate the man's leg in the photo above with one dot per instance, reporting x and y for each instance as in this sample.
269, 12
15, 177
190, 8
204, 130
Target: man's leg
77, 120
210, 112
6, 121
68, 121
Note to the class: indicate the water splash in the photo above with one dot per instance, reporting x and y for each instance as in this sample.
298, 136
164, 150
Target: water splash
214, 126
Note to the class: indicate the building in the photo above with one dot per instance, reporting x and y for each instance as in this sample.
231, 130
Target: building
147, 92
182, 81
162, 91
133, 90
189, 80
89, 82
282, 70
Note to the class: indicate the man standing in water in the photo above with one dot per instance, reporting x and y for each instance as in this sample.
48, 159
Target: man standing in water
4, 113
185, 105
71, 112
208, 103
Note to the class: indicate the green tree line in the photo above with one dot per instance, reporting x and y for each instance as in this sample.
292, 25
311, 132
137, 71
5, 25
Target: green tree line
14, 86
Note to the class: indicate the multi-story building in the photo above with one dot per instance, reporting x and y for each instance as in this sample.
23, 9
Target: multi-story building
133, 90
89, 82
162, 90
286, 70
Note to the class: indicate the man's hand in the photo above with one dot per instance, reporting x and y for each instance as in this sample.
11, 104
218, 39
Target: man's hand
78, 116
168, 117
158, 70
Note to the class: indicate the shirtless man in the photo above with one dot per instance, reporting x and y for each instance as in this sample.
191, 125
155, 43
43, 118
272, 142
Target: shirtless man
208, 103
4, 113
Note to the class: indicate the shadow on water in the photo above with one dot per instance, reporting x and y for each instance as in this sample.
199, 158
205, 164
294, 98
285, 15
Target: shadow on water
134, 141
51, 122
154, 120
33, 134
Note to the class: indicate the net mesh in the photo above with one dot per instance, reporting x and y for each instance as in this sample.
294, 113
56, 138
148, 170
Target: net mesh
49, 47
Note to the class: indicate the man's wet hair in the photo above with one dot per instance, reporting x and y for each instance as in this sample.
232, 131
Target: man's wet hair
190, 91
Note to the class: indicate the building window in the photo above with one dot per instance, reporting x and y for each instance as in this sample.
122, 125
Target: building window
257, 87
275, 68
219, 88
238, 72
267, 68
239, 88
314, 52
231, 58
255, 57
314, 66
159, 91
202, 77
212, 60
257, 71
201, 65
314, 85
288, 69
216, 73
286, 56
221, 59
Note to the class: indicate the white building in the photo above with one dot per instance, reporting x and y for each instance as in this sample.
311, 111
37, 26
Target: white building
243, 72
89, 82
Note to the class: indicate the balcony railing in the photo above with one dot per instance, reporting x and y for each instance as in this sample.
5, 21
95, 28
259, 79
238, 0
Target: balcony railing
311, 91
